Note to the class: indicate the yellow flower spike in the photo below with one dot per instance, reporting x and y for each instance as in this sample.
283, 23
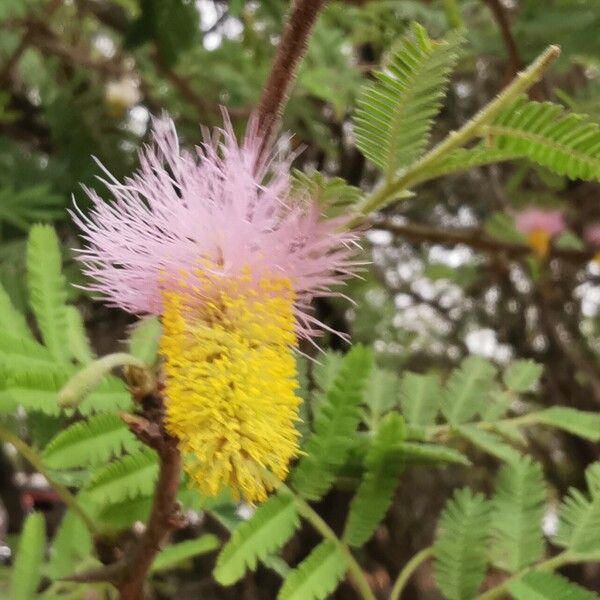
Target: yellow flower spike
230, 385
539, 240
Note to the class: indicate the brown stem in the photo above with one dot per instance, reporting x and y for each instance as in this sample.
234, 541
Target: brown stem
514, 59
163, 518
294, 41
477, 240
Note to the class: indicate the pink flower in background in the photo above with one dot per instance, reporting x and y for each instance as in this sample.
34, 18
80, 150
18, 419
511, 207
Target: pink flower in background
540, 226
592, 235
550, 221
211, 209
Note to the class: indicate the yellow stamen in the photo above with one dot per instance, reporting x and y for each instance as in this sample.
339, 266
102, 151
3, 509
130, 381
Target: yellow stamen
539, 240
230, 385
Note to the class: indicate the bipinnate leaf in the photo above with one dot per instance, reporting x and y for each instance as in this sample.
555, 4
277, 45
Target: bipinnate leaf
317, 575
581, 423
269, 529
522, 375
420, 397
460, 549
11, 320
27, 568
174, 555
540, 585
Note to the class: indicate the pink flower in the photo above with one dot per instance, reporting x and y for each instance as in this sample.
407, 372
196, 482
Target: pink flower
592, 234
211, 214
538, 219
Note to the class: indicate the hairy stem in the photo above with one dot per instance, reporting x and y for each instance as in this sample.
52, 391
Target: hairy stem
34, 459
356, 573
407, 572
294, 41
548, 565
417, 173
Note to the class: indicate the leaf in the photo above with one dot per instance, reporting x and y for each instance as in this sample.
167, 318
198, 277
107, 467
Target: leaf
173, 555
269, 529
144, 339
395, 114
334, 196
490, 443
47, 289
316, 576
460, 549
543, 132
89, 443
129, 477
334, 426
501, 226
381, 392
72, 544
579, 528
420, 398
522, 375
326, 369
11, 320
464, 395
517, 513
27, 569
539, 585
19, 352
578, 422
79, 345
432, 453
383, 465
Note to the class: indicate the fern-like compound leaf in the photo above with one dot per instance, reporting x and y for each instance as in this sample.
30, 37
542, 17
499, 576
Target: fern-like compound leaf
269, 529
11, 320
460, 550
490, 442
420, 397
464, 395
79, 344
579, 528
27, 569
129, 477
517, 513
543, 132
522, 375
395, 114
92, 442
176, 554
539, 585
317, 576
47, 289
335, 424
584, 424
384, 463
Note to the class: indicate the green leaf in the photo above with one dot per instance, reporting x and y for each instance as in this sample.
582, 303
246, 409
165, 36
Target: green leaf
517, 513
18, 353
395, 114
543, 132
11, 320
144, 339
383, 465
326, 369
420, 398
460, 550
417, 453
72, 544
129, 477
334, 427
79, 345
522, 375
539, 585
490, 443
47, 289
27, 569
578, 422
579, 528
89, 443
334, 196
381, 393
501, 226
173, 555
317, 576
269, 529
464, 395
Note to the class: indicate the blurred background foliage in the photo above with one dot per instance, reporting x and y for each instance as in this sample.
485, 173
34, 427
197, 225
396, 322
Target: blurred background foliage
81, 78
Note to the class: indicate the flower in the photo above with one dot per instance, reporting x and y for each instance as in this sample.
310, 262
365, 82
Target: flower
540, 226
215, 242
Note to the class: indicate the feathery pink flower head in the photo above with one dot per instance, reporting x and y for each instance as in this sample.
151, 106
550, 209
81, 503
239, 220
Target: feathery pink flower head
216, 209
532, 219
